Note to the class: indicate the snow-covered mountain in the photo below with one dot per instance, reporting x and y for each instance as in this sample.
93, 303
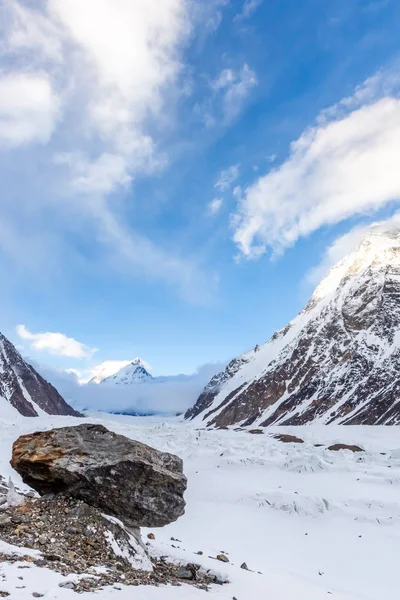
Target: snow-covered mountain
22, 388
132, 373
337, 361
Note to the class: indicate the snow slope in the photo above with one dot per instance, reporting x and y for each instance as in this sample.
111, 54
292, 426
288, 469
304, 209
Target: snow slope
337, 361
315, 523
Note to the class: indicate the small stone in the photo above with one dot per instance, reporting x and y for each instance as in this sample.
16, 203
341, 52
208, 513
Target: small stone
4, 520
222, 558
151, 536
184, 573
69, 585
72, 530
200, 552
244, 566
42, 539
53, 557
37, 595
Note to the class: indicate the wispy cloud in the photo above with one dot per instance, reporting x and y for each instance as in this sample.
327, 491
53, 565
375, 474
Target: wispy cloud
233, 87
214, 206
55, 343
343, 166
248, 9
227, 177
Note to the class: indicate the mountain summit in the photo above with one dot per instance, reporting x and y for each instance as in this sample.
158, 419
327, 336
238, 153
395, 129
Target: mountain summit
133, 373
337, 361
24, 389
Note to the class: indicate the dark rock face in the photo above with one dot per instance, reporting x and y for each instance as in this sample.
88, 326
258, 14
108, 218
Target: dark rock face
337, 361
127, 479
24, 388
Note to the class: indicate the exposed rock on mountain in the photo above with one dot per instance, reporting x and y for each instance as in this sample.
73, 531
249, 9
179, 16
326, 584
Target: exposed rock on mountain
24, 389
132, 373
337, 361
127, 479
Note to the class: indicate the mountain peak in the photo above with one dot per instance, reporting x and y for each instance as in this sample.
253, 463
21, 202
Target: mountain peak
136, 371
337, 361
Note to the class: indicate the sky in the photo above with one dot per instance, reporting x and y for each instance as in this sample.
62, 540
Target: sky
177, 175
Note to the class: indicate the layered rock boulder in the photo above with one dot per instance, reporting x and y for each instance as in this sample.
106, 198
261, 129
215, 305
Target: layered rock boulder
124, 478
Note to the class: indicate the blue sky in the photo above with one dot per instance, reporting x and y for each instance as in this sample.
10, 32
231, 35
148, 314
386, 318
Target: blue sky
172, 171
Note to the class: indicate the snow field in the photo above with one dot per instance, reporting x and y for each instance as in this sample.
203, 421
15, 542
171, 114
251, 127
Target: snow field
317, 524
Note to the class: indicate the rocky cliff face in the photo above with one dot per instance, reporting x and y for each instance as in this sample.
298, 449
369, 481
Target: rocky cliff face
23, 388
337, 361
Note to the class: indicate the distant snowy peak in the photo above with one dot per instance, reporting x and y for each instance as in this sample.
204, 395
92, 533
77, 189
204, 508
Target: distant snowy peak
133, 373
22, 388
337, 361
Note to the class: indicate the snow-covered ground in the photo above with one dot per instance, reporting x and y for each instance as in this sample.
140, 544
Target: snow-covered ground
309, 523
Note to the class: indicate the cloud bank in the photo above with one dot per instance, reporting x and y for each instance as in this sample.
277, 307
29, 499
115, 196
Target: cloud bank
163, 395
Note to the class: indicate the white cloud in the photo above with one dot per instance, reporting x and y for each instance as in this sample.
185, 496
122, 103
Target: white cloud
234, 88
249, 7
28, 108
214, 206
55, 343
345, 165
114, 67
227, 177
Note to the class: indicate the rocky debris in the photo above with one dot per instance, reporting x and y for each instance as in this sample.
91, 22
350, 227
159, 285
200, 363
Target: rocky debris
338, 361
244, 566
337, 447
288, 439
80, 538
256, 431
23, 387
124, 478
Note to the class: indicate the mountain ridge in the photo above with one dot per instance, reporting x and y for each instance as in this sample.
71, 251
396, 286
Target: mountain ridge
337, 361
22, 387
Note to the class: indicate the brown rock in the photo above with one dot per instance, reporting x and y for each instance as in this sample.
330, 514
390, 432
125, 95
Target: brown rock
222, 558
288, 439
337, 447
256, 431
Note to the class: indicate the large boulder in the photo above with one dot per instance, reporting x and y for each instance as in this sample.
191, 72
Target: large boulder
138, 484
